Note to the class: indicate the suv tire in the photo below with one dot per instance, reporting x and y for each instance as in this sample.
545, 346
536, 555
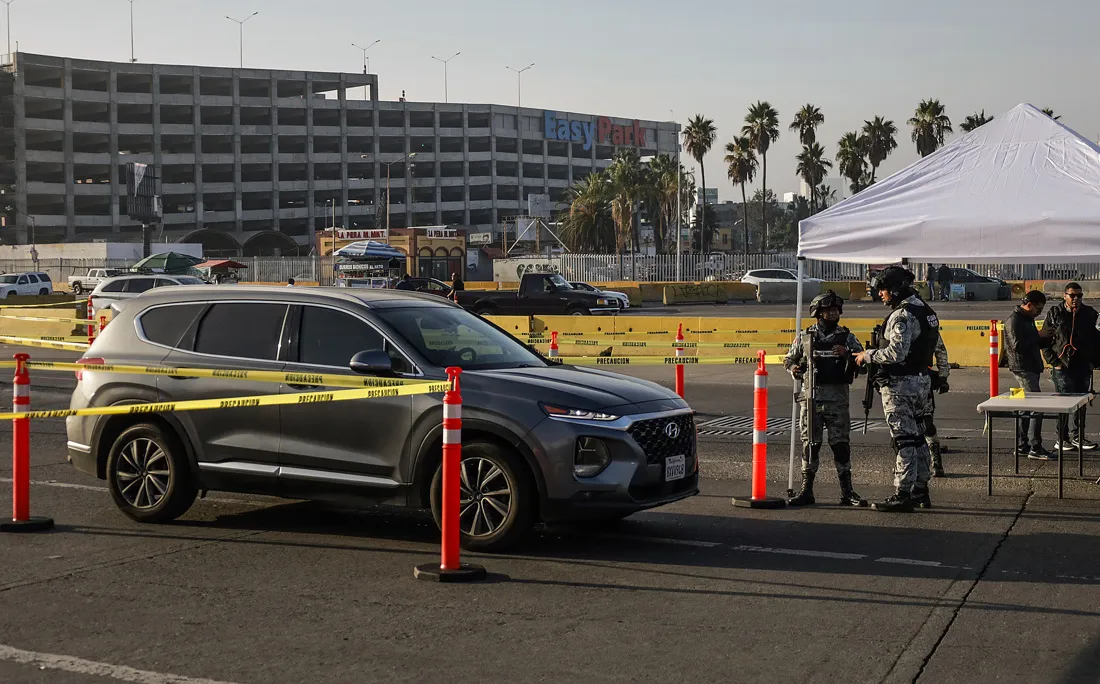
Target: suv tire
497, 531
485, 310
78, 289
44, 292
579, 311
148, 474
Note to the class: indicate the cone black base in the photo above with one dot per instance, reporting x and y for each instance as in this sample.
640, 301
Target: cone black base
465, 573
31, 524
766, 502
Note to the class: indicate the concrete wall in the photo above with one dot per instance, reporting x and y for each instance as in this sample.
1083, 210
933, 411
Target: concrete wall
782, 293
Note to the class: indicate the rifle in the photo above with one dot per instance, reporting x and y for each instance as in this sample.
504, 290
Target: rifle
811, 394
869, 392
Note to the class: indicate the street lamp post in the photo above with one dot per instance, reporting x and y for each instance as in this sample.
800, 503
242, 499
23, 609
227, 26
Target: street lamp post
519, 82
366, 62
407, 189
132, 58
240, 24
7, 21
445, 95
679, 237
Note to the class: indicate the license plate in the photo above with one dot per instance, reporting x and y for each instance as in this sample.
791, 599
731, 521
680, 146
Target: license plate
675, 468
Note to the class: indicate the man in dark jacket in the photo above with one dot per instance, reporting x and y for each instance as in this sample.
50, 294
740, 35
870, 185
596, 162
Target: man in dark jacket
1074, 342
1023, 345
944, 276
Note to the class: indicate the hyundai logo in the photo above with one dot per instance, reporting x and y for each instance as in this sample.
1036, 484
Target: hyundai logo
672, 431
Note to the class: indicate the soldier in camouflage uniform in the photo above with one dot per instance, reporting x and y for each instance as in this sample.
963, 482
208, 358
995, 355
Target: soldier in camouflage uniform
834, 370
901, 368
939, 386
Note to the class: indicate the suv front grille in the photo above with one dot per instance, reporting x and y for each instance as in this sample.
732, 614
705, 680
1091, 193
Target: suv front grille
652, 437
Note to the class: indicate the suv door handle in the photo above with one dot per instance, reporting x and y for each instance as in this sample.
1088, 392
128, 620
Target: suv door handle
304, 387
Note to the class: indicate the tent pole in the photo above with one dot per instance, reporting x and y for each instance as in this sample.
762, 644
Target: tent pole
795, 438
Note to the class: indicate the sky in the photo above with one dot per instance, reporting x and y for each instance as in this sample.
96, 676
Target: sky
642, 59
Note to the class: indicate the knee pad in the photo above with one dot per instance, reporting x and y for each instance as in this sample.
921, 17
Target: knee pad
842, 453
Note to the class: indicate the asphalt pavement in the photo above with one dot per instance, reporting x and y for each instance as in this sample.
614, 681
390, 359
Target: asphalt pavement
254, 589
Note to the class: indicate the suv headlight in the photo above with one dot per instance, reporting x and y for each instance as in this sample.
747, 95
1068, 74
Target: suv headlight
603, 301
577, 414
590, 457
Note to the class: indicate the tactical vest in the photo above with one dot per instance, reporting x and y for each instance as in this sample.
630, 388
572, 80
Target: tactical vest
832, 371
923, 349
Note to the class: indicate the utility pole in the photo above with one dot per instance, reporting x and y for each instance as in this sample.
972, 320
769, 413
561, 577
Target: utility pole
679, 238
132, 58
445, 61
366, 62
519, 82
240, 24
8, 21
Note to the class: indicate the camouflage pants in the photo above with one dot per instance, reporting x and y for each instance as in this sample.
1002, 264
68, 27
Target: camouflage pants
832, 416
930, 435
903, 401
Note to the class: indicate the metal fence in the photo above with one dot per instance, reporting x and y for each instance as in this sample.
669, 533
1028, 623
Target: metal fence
694, 267
258, 269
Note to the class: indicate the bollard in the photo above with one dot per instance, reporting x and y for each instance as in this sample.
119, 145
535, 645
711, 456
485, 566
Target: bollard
759, 497
450, 569
554, 344
994, 360
679, 367
102, 325
91, 322
21, 520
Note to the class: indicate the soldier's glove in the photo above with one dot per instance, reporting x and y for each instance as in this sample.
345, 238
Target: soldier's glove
943, 388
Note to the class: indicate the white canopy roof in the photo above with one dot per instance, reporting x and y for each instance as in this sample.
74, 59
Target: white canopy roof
1023, 188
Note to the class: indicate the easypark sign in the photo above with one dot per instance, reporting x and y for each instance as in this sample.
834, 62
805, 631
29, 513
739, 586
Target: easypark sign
598, 132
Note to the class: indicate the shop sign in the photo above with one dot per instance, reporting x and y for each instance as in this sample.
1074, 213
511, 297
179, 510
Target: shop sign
376, 234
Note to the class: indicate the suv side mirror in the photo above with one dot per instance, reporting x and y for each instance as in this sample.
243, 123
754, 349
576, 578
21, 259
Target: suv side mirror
373, 362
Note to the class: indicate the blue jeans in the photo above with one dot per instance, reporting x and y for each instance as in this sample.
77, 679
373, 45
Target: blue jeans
1030, 425
1072, 381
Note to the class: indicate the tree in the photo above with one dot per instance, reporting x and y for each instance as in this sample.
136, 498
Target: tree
806, 122
930, 126
699, 137
851, 159
589, 226
826, 197
659, 197
741, 161
702, 231
974, 121
762, 128
812, 167
880, 139
626, 187
760, 202
1050, 112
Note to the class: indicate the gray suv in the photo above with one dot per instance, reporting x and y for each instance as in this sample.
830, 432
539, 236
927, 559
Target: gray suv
541, 441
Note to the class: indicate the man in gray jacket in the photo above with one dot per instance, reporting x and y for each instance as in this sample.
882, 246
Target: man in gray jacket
1023, 345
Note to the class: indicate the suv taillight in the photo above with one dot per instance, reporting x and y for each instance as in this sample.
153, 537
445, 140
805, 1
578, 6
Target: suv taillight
90, 362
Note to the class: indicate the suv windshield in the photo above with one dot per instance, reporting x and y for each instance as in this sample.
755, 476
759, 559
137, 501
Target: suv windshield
186, 280
8, 280
447, 336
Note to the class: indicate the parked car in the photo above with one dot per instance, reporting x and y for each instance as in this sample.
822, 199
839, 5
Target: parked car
115, 292
30, 283
430, 286
538, 294
775, 275
621, 298
80, 284
965, 276
540, 441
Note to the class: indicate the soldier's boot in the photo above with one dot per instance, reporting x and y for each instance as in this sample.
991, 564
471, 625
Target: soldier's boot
899, 502
805, 496
920, 497
937, 460
848, 496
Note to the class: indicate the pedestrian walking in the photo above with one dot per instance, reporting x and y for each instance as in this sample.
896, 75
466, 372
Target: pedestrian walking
290, 282
405, 283
1023, 348
1074, 342
938, 385
930, 276
827, 389
456, 286
900, 365
945, 277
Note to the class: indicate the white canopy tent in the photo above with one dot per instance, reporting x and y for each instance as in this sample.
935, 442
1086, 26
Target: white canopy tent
1023, 188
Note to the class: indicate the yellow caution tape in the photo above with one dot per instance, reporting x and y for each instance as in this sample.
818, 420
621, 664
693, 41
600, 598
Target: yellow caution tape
659, 345
666, 361
319, 379
239, 402
41, 306
48, 319
45, 343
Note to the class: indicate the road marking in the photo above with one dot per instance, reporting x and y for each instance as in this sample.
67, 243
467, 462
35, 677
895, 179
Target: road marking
662, 540
802, 552
912, 561
93, 488
52, 661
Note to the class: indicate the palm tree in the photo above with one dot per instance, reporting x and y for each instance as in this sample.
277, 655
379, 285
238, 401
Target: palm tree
1050, 112
626, 186
851, 159
812, 166
974, 121
589, 226
741, 160
658, 193
699, 137
930, 126
806, 122
762, 128
880, 138
826, 196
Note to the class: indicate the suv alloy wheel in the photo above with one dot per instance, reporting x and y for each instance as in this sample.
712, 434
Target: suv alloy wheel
148, 474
